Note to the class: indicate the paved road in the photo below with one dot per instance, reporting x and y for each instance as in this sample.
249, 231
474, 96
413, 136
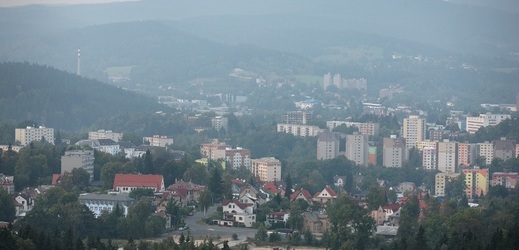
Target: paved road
199, 229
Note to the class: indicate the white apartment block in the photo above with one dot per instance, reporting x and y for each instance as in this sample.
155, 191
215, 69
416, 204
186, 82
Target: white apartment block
429, 158
158, 140
106, 203
220, 122
298, 130
357, 149
327, 145
394, 152
78, 159
30, 134
105, 134
485, 150
413, 130
484, 120
447, 156
266, 169
367, 128
234, 157
441, 180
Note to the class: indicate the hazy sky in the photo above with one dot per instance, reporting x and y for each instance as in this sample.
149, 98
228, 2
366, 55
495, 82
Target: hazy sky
8, 3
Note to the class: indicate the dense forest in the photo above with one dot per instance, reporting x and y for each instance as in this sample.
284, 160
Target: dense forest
62, 100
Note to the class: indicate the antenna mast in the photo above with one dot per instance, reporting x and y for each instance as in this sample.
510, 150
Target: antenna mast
78, 62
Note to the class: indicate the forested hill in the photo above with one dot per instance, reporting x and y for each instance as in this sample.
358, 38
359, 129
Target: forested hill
62, 100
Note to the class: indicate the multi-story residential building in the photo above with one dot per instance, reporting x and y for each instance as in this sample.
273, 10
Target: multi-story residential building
367, 128
476, 181
505, 179
266, 169
105, 134
466, 154
106, 203
235, 157
429, 158
208, 149
394, 152
504, 149
357, 148
327, 80
299, 130
372, 156
297, 117
447, 156
441, 180
413, 130
337, 81
108, 146
426, 144
436, 134
327, 145
158, 140
220, 122
485, 150
125, 183
517, 150
484, 120
30, 134
190, 191
78, 159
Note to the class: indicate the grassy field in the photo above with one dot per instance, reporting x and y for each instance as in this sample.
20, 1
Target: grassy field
309, 79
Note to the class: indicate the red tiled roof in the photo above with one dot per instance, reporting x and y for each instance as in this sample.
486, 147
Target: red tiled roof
138, 180
330, 191
394, 207
55, 178
302, 191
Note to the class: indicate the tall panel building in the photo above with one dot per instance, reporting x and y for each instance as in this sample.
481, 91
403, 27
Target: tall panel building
30, 134
476, 181
357, 148
266, 169
466, 154
394, 152
504, 149
327, 145
413, 130
78, 159
447, 156
429, 158
441, 180
484, 120
485, 150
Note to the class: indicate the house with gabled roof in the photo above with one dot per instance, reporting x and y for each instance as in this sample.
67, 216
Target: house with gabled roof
188, 189
271, 188
249, 194
327, 194
236, 213
302, 194
127, 182
316, 222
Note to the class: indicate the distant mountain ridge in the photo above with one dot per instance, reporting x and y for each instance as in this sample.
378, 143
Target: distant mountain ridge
63, 100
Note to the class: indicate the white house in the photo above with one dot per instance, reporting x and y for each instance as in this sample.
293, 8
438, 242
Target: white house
236, 213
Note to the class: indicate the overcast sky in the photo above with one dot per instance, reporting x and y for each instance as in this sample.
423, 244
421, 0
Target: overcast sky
8, 3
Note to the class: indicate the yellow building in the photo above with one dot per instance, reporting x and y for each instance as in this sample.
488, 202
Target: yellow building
477, 182
267, 169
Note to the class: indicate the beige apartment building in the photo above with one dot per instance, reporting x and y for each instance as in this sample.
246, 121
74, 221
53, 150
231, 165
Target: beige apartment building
105, 134
30, 134
327, 145
447, 156
441, 180
394, 152
413, 130
266, 169
357, 148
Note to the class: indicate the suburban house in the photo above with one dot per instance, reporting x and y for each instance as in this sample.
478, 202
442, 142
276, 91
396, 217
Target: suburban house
248, 193
7, 183
271, 188
316, 222
106, 203
383, 213
278, 218
339, 181
125, 183
302, 194
236, 213
186, 191
327, 194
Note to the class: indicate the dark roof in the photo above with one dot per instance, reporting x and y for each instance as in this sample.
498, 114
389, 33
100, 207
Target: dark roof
106, 142
126, 144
